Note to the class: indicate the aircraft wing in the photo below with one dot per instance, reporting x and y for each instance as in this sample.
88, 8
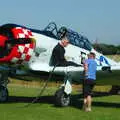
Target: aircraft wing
115, 67
37, 66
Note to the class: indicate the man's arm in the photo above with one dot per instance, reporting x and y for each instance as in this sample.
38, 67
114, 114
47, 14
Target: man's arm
85, 65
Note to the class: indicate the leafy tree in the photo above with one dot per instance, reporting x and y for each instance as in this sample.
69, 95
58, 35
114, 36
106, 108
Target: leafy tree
107, 49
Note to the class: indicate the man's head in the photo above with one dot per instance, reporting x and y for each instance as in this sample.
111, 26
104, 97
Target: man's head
64, 41
91, 55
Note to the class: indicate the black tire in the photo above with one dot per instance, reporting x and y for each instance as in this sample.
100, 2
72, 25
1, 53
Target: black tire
62, 99
3, 94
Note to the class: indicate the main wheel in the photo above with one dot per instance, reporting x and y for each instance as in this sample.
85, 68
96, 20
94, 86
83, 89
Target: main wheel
62, 99
3, 94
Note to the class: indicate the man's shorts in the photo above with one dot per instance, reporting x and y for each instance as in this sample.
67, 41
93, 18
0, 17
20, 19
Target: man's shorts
88, 87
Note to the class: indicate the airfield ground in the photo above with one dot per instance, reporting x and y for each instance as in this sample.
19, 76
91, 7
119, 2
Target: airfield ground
105, 106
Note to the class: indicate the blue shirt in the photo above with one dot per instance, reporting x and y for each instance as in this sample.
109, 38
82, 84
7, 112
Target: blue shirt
92, 66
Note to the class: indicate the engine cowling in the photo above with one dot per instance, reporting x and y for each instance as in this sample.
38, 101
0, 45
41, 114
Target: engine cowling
20, 52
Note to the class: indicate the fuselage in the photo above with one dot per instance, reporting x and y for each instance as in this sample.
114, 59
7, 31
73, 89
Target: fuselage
36, 55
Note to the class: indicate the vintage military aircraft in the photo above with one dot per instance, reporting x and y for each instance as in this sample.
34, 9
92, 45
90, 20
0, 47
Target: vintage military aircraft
22, 46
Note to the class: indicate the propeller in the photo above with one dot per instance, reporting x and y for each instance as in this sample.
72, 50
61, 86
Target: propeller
20, 41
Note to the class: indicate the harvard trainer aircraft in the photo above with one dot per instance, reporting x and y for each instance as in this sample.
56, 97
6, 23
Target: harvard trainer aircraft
22, 46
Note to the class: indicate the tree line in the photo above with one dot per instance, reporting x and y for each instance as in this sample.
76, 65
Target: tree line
107, 49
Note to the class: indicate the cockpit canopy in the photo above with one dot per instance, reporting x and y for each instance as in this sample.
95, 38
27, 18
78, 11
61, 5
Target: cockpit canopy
74, 38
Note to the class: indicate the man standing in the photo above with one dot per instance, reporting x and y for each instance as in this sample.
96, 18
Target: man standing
57, 58
90, 67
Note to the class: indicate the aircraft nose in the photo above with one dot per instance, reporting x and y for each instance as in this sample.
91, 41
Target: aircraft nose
3, 39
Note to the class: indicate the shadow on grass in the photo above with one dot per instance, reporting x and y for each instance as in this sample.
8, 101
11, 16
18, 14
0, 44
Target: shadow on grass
78, 103
76, 100
22, 99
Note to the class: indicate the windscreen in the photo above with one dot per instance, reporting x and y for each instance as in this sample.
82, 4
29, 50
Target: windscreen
79, 40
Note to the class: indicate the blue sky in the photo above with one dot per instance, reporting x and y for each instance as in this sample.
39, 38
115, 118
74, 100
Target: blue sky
96, 19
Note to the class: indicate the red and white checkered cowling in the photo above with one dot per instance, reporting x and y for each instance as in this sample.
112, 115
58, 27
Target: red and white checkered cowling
24, 50
20, 52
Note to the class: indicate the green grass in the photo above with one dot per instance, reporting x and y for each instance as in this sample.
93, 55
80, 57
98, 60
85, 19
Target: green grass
104, 107
108, 78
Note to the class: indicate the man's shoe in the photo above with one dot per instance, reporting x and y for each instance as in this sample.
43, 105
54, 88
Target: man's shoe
88, 109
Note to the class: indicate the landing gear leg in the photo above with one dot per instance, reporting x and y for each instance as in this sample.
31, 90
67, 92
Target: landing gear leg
62, 95
3, 87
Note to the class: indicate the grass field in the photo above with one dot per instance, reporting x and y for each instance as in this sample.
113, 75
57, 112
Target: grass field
105, 107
